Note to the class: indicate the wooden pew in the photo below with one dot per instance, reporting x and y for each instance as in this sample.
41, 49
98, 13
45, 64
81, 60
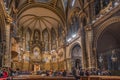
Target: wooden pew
83, 78
37, 77
94, 78
110, 78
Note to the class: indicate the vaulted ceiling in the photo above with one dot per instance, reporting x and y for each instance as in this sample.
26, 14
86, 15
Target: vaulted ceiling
41, 14
39, 18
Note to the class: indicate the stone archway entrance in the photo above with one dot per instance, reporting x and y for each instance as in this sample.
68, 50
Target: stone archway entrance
76, 56
108, 48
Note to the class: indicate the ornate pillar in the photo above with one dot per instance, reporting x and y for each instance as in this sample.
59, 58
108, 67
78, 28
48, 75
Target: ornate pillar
64, 47
89, 36
83, 47
90, 51
8, 46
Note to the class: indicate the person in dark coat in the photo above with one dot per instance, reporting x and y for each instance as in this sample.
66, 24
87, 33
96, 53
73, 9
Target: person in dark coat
64, 73
74, 72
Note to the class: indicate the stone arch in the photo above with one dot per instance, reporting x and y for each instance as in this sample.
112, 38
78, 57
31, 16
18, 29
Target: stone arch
77, 43
107, 32
76, 58
24, 8
104, 26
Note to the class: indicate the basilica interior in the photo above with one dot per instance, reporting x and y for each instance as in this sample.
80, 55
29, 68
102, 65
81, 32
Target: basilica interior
60, 34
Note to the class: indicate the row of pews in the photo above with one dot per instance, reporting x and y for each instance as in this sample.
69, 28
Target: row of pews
37, 77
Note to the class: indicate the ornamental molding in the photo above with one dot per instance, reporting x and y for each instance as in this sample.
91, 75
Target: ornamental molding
106, 16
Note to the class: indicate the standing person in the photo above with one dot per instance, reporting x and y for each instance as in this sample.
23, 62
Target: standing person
87, 73
64, 73
1, 72
81, 72
75, 73
5, 74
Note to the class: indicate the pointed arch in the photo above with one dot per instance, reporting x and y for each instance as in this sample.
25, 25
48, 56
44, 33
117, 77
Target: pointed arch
60, 34
36, 35
76, 55
28, 37
53, 39
46, 37
75, 24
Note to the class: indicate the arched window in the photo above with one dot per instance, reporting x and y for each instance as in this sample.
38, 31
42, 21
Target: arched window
60, 30
36, 35
28, 40
53, 39
72, 3
84, 22
46, 40
97, 6
70, 30
65, 3
75, 25
76, 56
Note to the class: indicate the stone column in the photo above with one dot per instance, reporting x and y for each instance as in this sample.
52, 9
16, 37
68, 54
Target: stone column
88, 44
89, 39
83, 47
8, 46
64, 47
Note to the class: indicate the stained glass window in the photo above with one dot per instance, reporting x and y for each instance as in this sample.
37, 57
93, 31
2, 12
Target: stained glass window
65, 3
105, 2
97, 6
27, 40
60, 30
36, 35
53, 39
46, 40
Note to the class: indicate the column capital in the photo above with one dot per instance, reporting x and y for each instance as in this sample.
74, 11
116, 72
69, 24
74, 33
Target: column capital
88, 28
8, 19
